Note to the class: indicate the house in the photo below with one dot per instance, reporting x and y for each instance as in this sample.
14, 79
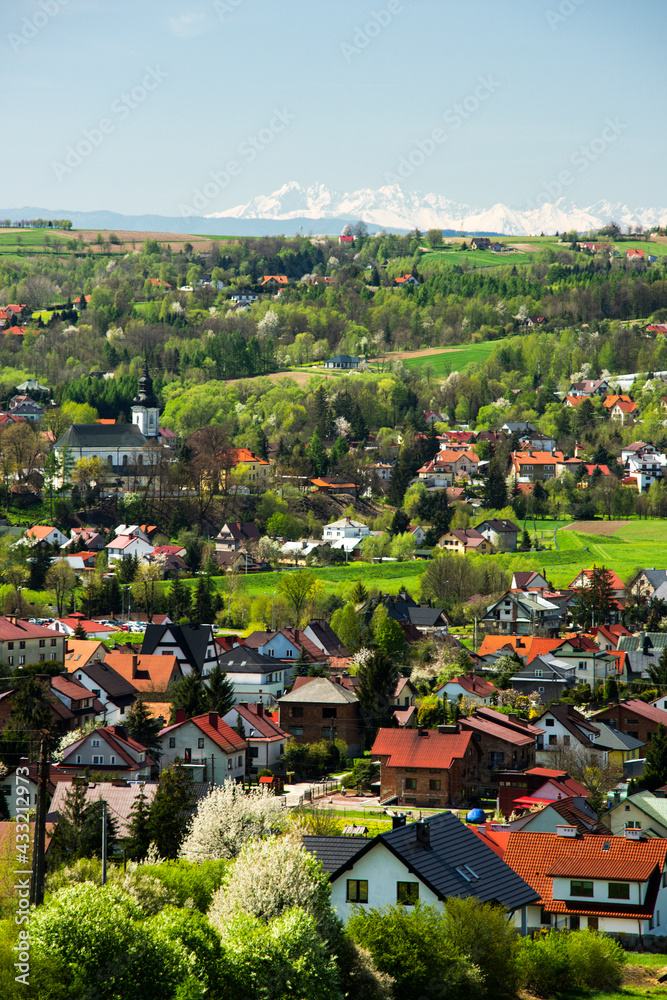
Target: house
584, 578
332, 486
24, 406
401, 607
424, 862
345, 528
406, 281
322, 710
503, 741
643, 464
274, 281
529, 580
634, 254
633, 717
404, 695
469, 686
252, 468
206, 745
418, 534
428, 768
433, 417
236, 535
623, 410
571, 811
68, 626
592, 664
285, 644
255, 675
115, 693
545, 676
590, 387
91, 540
193, 646
22, 642
502, 534
521, 614
463, 463
82, 652
344, 361
244, 297
536, 441
83, 705
647, 582
608, 637
145, 672
109, 749
465, 540
437, 472
563, 726
127, 547
480, 243
266, 740
608, 884
323, 636
645, 811
45, 534
346, 239
534, 466
517, 429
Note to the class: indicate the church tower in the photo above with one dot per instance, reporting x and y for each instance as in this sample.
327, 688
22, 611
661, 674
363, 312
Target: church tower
145, 407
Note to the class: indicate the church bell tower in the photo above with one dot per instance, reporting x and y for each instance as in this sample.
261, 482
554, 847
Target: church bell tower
145, 407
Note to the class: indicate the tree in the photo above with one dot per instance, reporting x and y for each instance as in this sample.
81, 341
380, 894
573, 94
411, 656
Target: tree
596, 603
655, 772
145, 580
434, 238
317, 454
170, 810
178, 600
403, 546
495, 488
378, 677
228, 818
220, 691
143, 728
430, 712
400, 523
61, 580
585, 767
658, 671
79, 830
190, 694
202, 611
388, 634
138, 837
346, 623
296, 589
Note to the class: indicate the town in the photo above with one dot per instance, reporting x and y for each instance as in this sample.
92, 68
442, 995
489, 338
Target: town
346, 640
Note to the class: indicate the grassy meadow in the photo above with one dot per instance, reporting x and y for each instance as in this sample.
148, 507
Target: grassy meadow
455, 359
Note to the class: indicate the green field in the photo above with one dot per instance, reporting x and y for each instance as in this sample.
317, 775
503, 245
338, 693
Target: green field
32, 241
476, 258
455, 359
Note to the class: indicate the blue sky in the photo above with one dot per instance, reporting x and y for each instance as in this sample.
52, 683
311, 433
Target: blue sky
156, 95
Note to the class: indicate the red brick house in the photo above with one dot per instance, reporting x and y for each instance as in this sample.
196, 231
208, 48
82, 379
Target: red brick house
634, 717
504, 741
322, 709
427, 767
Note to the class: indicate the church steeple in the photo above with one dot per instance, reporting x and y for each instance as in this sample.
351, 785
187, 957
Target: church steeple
146, 407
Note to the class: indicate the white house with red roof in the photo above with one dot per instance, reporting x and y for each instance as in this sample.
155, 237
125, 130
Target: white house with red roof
127, 546
22, 642
583, 579
616, 885
469, 686
266, 740
67, 626
109, 748
45, 534
207, 744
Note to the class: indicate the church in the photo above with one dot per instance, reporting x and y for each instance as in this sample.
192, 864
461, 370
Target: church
129, 450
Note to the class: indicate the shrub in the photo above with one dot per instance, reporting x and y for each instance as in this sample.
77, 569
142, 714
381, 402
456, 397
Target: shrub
190, 883
543, 963
557, 960
596, 960
480, 932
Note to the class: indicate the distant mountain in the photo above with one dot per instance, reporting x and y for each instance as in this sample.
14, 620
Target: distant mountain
392, 208
317, 209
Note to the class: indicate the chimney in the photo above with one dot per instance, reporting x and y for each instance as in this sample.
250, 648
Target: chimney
566, 831
120, 731
397, 820
422, 733
135, 663
260, 708
213, 719
180, 715
513, 717
423, 833
633, 833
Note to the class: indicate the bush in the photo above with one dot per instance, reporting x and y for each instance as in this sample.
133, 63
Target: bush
554, 961
480, 932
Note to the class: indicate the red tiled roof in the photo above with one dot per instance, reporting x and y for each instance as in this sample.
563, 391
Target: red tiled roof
497, 731
614, 578
640, 708
238, 455
221, 734
153, 672
21, 629
410, 748
474, 685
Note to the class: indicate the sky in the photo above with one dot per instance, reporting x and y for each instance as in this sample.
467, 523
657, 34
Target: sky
132, 105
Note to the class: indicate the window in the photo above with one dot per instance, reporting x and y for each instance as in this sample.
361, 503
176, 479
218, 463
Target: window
296, 730
592, 923
112, 759
10, 645
78, 758
22, 645
53, 642
326, 732
22, 659
52, 656
496, 758
94, 743
239, 762
10, 661
566, 741
411, 783
580, 888
434, 785
172, 742
187, 755
538, 673
549, 722
541, 690
357, 890
200, 743
545, 918
582, 665
254, 751
42, 643
619, 890
575, 922
553, 741
407, 893
296, 712
329, 712
97, 759
632, 722
230, 763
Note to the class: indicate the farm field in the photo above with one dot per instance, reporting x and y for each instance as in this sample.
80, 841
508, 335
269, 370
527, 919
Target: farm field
55, 242
477, 258
455, 359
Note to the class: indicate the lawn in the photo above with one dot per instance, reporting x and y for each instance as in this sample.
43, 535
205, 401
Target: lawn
455, 359
477, 258
638, 984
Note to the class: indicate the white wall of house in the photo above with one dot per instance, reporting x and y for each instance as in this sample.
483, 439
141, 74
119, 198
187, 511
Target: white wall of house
23, 789
248, 687
225, 767
113, 714
383, 870
96, 752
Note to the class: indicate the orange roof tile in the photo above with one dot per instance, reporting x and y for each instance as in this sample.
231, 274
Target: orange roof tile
154, 673
410, 748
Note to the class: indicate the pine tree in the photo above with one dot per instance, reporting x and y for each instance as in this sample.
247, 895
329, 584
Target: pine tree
317, 454
301, 664
144, 729
189, 694
178, 600
138, 838
655, 772
378, 677
80, 632
202, 604
220, 691
495, 489
170, 810
658, 671
400, 523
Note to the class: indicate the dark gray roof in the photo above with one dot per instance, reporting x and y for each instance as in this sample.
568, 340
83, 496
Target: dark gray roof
192, 640
245, 659
101, 436
655, 576
499, 526
441, 864
327, 640
613, 739
108, 679
334, 852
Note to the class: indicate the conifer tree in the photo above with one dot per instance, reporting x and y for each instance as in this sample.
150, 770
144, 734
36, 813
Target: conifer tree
170, 810
138, 838
189, 694
144, 729
178, 600
220, 691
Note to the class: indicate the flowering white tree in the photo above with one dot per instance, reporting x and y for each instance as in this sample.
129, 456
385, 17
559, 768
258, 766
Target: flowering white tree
229, 817
269, 325
268, 878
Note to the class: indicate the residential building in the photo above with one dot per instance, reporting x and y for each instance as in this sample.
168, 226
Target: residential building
590, 387
83, 705
611, 884
68, 626
18, 789
425, 862
573, 811
529, 580
145, 672
345, 361
109, 749
323, 636
265, 739
465, 540
345, 528
647, 582
285, 645
633, 717
427, 767
205, 744
193, 646
502, 534
522, 614
45, 534
322, 710
127, 547
81, 652
21, 642
584, 578
534, 466
503, 741
472, 687
252, 468
255, 675
645, 811
521, 790
115, 693
464, 463
236, 535
437, 472
545, 676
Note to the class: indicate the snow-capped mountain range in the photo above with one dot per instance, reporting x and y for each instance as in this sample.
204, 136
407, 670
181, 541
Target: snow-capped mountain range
393, 208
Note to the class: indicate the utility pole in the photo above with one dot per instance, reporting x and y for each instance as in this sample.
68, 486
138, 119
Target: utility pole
37, 880
104, 841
